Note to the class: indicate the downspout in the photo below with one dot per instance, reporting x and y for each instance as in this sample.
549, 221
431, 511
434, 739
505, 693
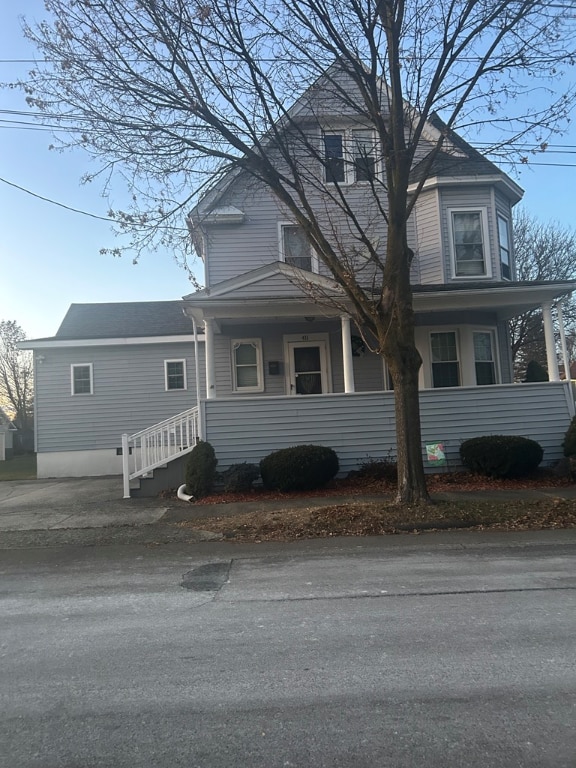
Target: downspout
197, 376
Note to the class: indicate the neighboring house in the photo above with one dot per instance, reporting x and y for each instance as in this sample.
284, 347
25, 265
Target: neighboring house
7, 430
276, 365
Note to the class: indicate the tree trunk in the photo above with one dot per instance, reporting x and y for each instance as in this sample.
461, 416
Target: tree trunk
404, 361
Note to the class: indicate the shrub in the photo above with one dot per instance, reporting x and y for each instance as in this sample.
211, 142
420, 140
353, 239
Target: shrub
378, 469
501, 455
300, 468
239, 477
535, 372
201, 470
569, 443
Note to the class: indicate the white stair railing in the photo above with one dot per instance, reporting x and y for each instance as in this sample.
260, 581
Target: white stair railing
157, 445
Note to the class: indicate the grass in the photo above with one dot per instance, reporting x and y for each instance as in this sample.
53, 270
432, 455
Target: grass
19, 467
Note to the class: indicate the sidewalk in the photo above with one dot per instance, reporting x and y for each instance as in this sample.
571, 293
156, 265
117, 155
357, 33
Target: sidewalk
96, 502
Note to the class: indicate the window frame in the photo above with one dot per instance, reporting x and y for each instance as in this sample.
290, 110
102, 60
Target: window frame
495, 356
90, 367
314, 263
507, 249
483, 212
175, 360
349, 156
458, 359
257, 344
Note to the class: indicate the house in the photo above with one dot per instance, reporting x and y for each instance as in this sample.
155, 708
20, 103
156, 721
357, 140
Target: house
7, 430
267, 356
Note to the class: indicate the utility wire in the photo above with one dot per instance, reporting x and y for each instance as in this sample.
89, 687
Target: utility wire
55, 202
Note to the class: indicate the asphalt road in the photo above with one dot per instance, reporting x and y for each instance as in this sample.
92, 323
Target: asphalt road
358, 653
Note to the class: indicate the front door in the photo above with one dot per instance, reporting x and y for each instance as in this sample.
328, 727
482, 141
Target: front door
308, 372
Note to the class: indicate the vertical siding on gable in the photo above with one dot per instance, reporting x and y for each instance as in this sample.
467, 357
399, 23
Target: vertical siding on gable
129, 394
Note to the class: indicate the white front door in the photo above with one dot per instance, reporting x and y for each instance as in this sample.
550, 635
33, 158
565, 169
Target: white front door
307, 367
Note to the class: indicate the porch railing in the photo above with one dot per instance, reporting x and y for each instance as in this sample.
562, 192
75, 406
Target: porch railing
157, 445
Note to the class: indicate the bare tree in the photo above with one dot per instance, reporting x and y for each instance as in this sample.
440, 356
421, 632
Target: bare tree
543, 251
176, 93
16, 375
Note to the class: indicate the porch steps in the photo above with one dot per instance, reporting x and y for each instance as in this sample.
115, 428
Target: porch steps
169, 475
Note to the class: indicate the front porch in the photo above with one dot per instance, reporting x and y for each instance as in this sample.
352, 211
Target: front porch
359, 426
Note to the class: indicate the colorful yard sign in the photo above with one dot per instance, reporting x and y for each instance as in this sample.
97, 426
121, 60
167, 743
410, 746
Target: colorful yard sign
435, 454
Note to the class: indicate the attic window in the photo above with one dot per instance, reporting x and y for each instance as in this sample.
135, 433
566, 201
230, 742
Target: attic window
334, 157
364, 155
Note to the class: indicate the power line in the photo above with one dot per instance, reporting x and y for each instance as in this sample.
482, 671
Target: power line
55, 202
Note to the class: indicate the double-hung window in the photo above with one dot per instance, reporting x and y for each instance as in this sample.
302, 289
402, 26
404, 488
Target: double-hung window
504, 245
82, 379
484, 361
469, 243
445, 362
350, 156
295, 248
363, 155
174, 374
247, 370
334, 167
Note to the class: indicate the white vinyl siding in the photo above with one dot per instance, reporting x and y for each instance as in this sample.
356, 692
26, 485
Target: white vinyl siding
247, 366
469, 243
175, 375
82, 379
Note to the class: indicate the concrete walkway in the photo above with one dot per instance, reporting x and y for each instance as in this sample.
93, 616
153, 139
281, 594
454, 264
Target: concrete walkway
89, 502
96, 502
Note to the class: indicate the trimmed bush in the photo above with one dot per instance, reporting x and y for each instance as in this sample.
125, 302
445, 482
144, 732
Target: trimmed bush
300, 468
239, 477
201, 470
501, 455
569, 443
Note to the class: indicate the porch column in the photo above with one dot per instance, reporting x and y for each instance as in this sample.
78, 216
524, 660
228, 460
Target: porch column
551, 358
209, 352
347, 354
563, 346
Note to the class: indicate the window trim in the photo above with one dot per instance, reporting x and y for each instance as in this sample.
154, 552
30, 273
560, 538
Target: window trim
314, 263
90, 367
175, 360
483, 211
500, 217
495, 354
257, 343
458, 355
349, 155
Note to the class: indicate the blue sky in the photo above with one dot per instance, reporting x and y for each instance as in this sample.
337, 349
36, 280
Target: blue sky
49, 257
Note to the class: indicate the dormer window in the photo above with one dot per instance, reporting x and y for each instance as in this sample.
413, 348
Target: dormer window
468, 243
295, 248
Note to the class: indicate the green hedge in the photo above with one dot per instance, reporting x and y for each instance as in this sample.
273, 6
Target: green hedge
569, 443
300, 468
501, 455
